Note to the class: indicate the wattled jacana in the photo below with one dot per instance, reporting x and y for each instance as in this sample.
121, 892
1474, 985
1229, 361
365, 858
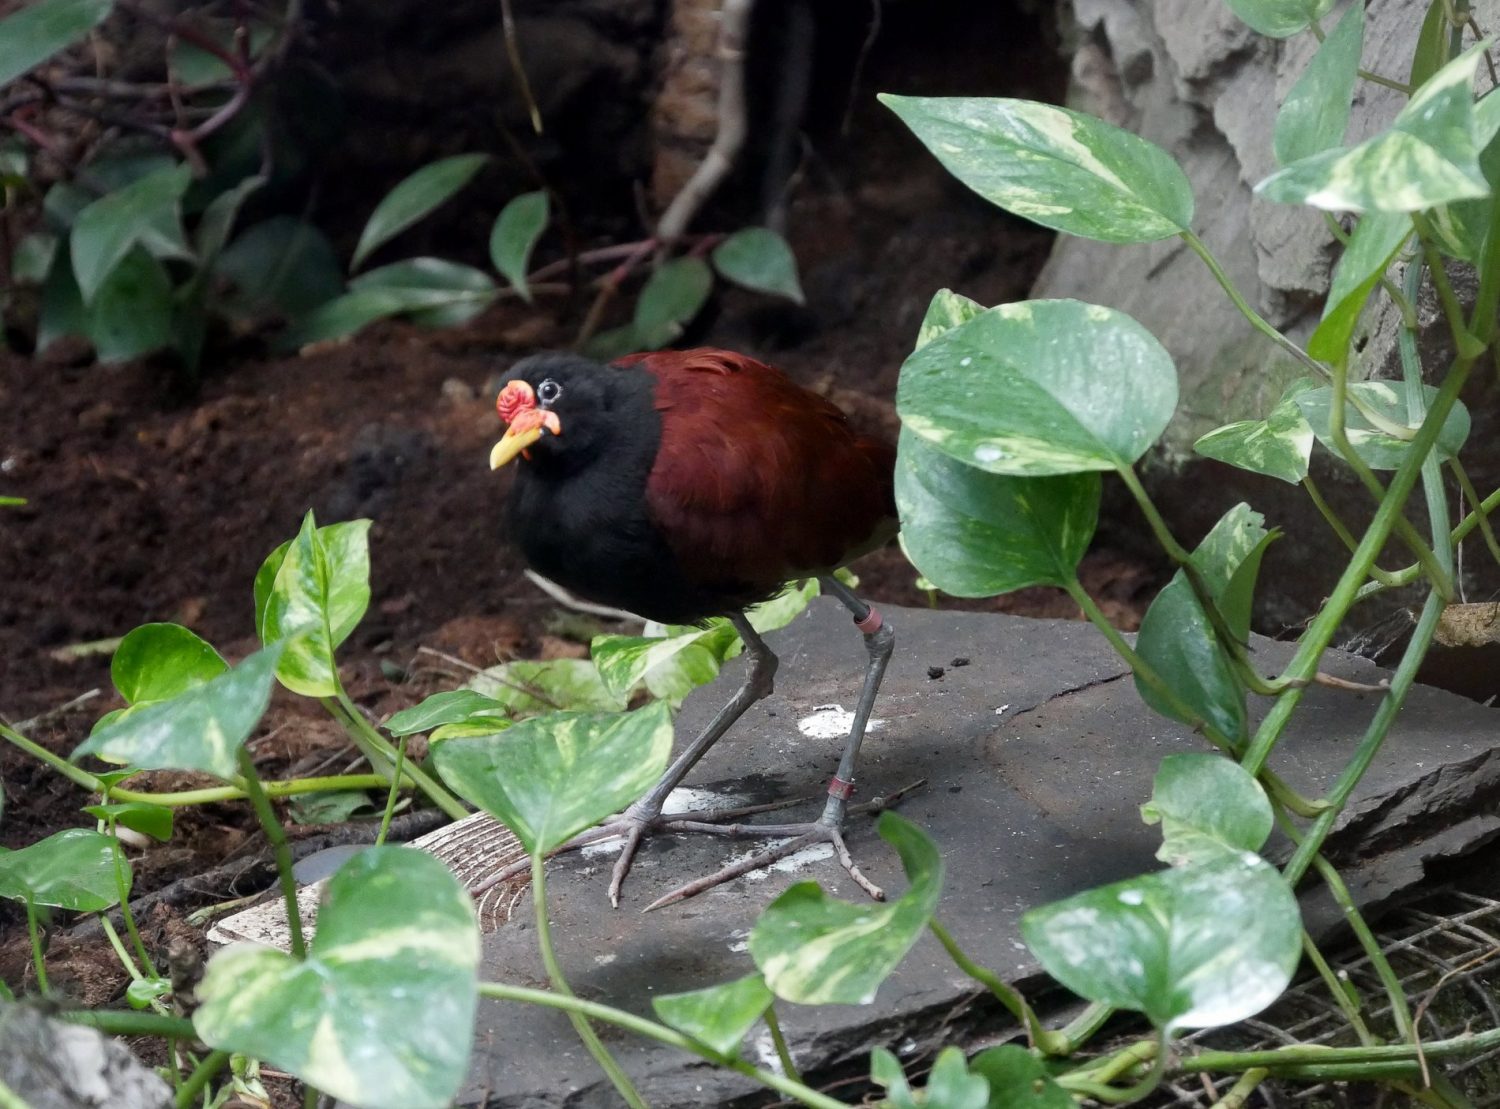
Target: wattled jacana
682, 485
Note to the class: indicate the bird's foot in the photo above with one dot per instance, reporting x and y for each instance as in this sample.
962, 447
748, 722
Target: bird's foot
795, 838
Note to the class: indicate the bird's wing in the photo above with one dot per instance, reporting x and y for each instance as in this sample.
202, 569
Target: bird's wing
757, 479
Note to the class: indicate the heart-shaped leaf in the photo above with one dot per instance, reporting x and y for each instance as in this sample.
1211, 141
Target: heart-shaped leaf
143, 991
313, 591
381, 1012
815, 950
1315, 114
1430, 155
1379, 450
1040, 387
448, 707
760, 260
949, 1085
1056, 167
1178, 640
1462, 227
719, 1016
1018, 1079
1278, 446
104, 232
514, 236
1280, 18
1375, 241
1206, 805
551, 777
1191, 947
413, 198
72, 869
156, 662
670, 300
978, 534
201, 729
139, 816
34, 33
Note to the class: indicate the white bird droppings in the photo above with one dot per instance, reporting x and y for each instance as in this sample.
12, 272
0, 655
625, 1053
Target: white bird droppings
832, 722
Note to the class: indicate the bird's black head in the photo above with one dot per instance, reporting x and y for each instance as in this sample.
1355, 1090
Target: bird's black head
562, 410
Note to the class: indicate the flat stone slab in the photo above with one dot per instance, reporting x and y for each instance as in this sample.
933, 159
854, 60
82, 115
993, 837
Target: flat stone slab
1037, 754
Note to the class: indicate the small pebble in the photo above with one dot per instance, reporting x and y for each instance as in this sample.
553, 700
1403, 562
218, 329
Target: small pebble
457, 391
935, 672
959, 662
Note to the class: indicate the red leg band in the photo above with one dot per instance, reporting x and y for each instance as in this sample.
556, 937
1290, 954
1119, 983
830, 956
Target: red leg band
871, 623
841, 789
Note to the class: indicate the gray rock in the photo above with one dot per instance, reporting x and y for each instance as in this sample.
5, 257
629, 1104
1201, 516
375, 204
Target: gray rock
1037, 756
52, 1065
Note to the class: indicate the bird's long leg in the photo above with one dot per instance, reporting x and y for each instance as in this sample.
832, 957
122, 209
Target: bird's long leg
641, 817
880, 641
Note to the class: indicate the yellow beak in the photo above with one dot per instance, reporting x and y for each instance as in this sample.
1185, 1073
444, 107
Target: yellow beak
512, 444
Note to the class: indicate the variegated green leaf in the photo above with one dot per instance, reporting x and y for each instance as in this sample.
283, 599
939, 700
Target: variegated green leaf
1040, 387
313, 592
1375, 241
1461, 227
977, 534
73, 869
551, 777
1191, 947
381, 1012
529, 686
814, 950
1056, 167
1206, 805
947, 310
1179, 642
718, 1016
1280, 18
1430, 155
1315, 114
200, 729
449, 707
1387, 399
1278, 446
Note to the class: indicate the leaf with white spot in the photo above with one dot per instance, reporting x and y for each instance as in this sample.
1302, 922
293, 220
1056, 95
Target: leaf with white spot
1430, 155
200, 729
1278, 446
1196, 946
947, 310
1315, 113
1206, 805
1056, 167
381, 1012
815, 950
719, 1016
1040, 387
1376, 239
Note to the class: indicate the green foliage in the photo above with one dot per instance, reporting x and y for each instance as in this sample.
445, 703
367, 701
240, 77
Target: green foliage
760, 260
514, 236
1278, 446
1315, 114
156, 662
139, 816
1280, 18
394, 924
72, 869
815, 950
549, 778
1378, 448
1206, 805
719, 1016
949, 1086
33, 34
1376, 239
413, 198
1056, 167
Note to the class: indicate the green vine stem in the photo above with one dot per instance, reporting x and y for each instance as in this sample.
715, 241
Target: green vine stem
617, 1077
283, 852
783, 1052
1040, 1037
1339, 988
391, 795
378, 749
1237, 1095
630, 1022
1389, 980
1304, 664
123, 892
124, 1022
202, 1075
1472, 496
1346, 537
1094, 1082
1082, 1028
35, 934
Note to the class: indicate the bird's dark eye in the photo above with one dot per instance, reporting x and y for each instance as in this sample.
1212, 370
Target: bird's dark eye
548, 391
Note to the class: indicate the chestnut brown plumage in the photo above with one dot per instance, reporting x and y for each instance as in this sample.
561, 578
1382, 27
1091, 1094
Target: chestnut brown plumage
682, 485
